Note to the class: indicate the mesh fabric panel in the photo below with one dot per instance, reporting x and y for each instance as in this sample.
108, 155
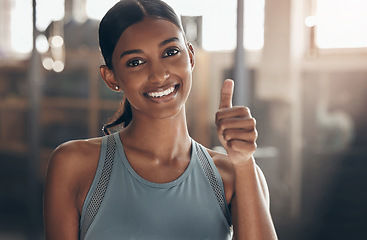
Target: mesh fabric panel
209, 173
101, 188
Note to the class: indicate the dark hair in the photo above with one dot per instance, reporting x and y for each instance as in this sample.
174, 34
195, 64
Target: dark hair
122, 15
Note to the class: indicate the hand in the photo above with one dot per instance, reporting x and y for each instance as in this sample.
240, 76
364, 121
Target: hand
236, 128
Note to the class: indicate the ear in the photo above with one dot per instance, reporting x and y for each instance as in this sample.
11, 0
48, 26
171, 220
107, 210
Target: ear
109, 78
191, 54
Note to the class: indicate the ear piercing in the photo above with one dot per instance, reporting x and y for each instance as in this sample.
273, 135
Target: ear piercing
116, 87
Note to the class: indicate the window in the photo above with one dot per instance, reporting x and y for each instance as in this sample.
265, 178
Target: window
219, 20
341, 23
20, 22
21, 32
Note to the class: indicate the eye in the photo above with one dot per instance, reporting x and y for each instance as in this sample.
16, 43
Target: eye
135, 63
171, 52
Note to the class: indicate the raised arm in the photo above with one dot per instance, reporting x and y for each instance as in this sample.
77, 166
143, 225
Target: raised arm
250, 205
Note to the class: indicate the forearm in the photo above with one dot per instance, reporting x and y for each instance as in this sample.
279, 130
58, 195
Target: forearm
236, 130
252, 219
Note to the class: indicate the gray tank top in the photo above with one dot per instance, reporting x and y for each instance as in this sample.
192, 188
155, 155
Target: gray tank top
122, 205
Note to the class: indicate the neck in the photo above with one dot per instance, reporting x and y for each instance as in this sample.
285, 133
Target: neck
164, 138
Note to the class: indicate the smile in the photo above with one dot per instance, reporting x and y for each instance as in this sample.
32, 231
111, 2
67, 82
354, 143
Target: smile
163, 93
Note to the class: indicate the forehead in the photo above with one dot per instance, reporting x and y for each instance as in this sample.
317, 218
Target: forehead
148, 31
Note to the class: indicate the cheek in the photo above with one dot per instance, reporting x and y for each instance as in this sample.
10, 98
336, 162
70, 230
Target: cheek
183, 66
186, 75
130, 84
185, 69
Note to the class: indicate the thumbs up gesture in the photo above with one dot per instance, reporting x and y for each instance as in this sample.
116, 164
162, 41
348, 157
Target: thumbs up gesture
236, 128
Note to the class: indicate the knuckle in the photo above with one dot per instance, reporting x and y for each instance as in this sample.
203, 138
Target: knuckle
246, 112
251, 147
218, 121
253, 121
251, 124
254, 146
225, 123
221, 127
243, 111
256, 134
218, 116
226, 135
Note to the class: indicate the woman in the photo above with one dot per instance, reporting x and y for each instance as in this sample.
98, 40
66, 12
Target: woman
151, 180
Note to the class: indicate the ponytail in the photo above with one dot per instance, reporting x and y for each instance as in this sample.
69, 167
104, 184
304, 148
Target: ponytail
122, 116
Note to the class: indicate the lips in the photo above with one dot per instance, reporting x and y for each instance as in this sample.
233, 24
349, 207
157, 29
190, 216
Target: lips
161, 93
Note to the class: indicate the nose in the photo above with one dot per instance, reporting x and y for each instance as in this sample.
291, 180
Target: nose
158, 72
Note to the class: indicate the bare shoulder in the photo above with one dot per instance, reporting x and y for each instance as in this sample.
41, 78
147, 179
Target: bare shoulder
75, 163
72, 168
78, 148
76, 154
226, 170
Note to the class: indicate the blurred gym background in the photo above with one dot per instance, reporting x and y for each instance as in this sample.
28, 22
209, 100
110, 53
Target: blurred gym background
300, 65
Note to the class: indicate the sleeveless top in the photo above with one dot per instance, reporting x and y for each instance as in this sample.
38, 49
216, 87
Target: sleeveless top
120, 204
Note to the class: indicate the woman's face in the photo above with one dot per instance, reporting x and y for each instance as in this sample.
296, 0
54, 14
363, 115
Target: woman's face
153, 67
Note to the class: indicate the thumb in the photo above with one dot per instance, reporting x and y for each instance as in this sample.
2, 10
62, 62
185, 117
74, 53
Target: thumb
226, 94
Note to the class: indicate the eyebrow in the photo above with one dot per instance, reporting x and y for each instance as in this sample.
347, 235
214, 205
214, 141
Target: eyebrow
130, 52
173, 39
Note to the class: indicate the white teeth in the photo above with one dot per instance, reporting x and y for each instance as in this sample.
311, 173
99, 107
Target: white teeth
162, 93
